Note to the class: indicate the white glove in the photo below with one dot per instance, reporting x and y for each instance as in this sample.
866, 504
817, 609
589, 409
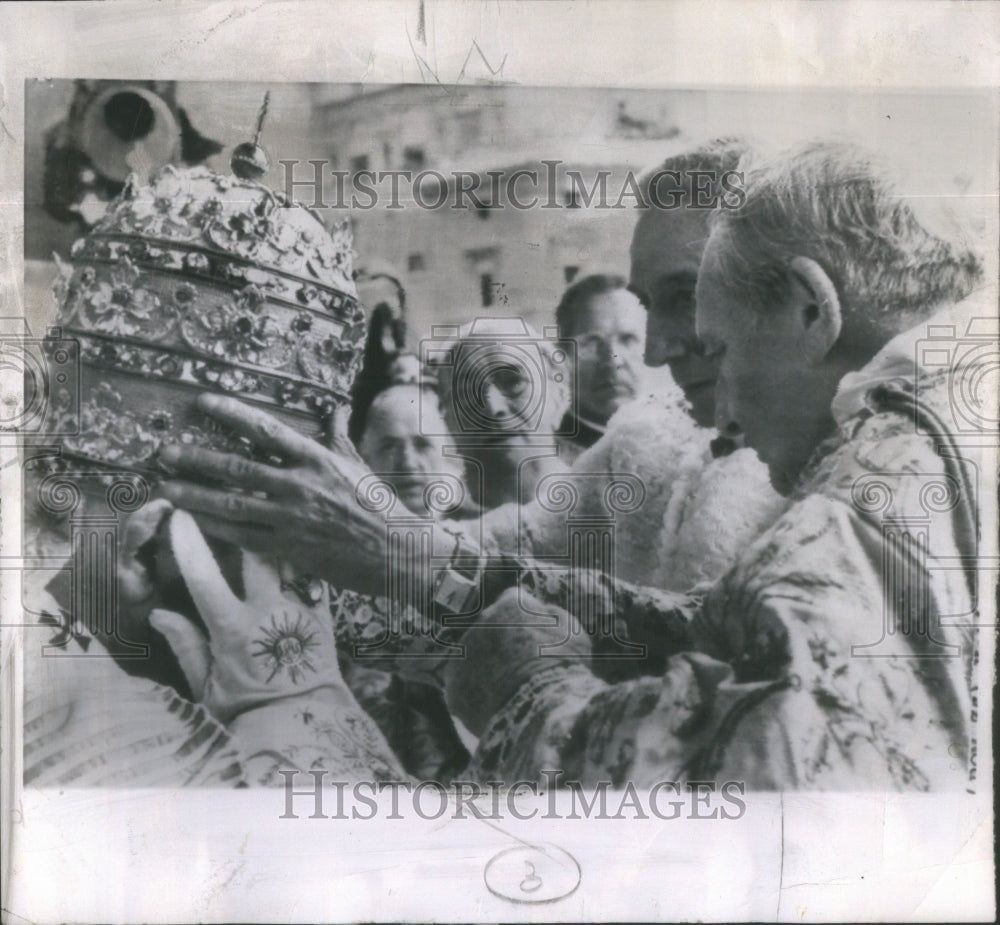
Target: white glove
270, 646
269, 669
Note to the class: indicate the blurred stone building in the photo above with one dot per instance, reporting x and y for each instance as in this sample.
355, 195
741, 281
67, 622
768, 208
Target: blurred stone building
481, 253
457, 263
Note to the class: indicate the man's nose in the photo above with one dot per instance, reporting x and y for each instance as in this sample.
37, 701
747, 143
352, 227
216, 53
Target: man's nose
495, 402
725, 421
614, 353
410, 459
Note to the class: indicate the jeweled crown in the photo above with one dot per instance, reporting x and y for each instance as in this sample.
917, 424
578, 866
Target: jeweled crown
199, 282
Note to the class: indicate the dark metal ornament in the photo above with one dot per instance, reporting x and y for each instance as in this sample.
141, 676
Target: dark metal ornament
249, 160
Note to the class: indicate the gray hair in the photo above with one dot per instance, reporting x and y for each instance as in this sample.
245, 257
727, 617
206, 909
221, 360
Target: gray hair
717, 157
834, 202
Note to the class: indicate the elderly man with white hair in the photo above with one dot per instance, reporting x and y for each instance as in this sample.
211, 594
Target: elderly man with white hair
838, 652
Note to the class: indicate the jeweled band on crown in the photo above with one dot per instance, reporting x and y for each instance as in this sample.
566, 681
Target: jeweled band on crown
202, 281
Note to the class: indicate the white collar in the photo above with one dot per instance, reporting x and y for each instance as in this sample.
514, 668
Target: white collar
929, 345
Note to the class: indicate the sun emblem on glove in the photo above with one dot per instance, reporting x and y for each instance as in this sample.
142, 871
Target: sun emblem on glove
285, 647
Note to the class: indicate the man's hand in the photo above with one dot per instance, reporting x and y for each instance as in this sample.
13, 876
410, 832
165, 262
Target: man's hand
510, 644
268, 668
137, 592
266, 647
304, 510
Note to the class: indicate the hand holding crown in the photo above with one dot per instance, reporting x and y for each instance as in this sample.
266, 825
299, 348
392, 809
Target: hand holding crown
304, 509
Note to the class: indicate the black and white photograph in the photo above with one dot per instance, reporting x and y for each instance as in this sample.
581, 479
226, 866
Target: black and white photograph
457, 466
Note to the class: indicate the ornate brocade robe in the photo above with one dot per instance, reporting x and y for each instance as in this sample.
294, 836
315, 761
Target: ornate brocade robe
838, 653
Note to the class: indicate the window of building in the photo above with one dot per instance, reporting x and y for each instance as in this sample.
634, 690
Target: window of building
359, 162
487, 289
415, 263
571, 198
470, 128
569, 273
484, 263
413, 158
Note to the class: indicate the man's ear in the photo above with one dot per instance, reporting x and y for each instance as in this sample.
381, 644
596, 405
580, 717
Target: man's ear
817, 308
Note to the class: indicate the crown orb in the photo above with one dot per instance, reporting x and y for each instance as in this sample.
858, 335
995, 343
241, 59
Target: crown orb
249, 161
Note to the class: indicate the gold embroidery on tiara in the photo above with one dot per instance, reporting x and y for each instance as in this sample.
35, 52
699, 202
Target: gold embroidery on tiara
271, 231
114, 434
200, 281
229, 326
157, 363
198, 265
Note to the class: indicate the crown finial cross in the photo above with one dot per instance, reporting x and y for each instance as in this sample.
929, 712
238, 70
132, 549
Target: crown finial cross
250, 160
